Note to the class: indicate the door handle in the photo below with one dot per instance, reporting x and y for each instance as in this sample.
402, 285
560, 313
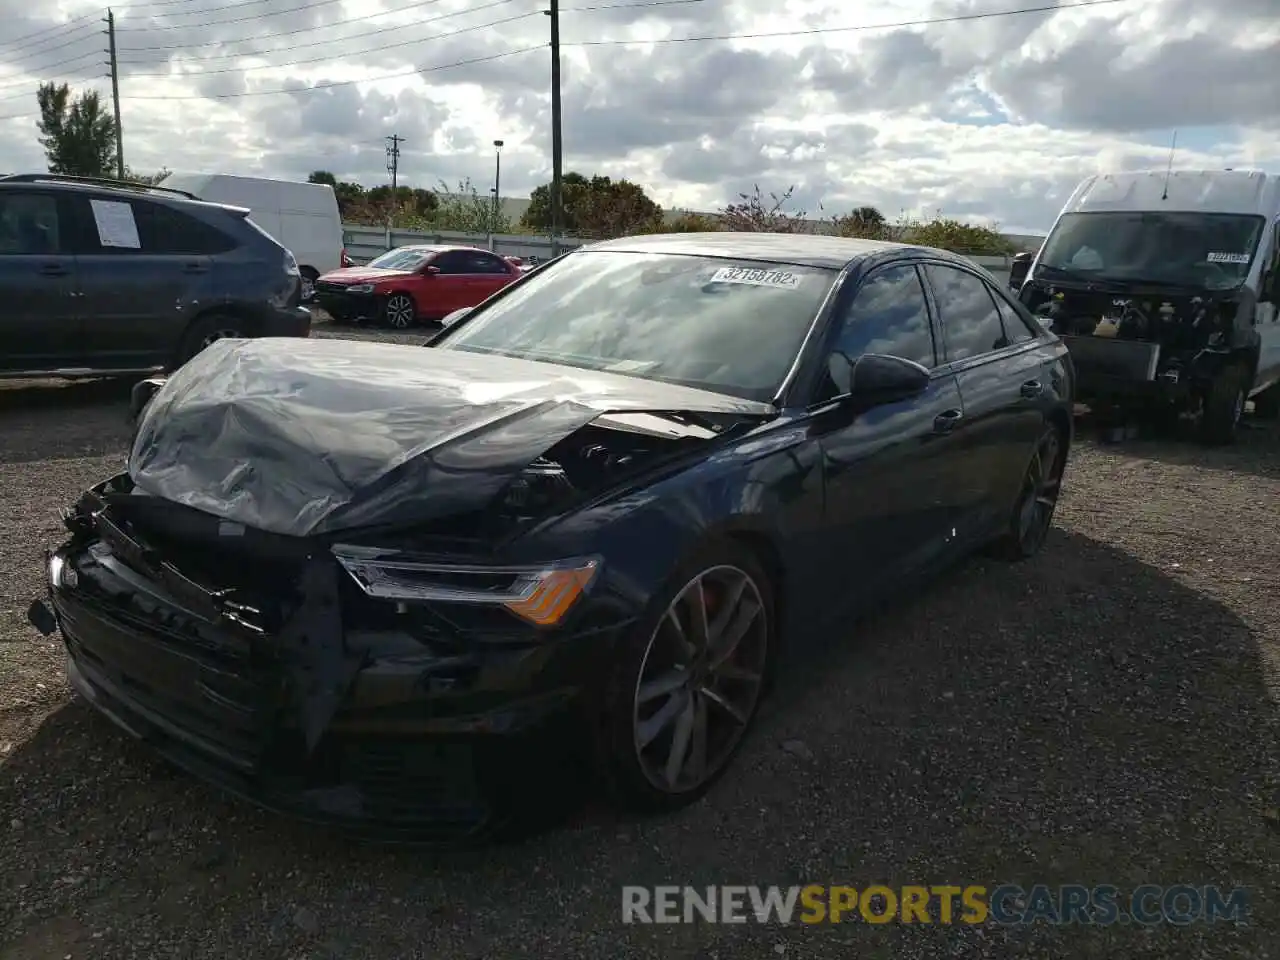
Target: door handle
53, 270
195, 268
947, 421
1032, 389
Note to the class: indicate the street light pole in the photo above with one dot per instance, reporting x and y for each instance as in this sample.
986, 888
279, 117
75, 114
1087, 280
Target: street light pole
497, 190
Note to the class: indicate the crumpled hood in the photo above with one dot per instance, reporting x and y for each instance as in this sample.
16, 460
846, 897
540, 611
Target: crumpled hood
306, 437
361, 275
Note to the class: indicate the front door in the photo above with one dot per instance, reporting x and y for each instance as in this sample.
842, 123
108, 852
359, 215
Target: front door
889, 491
39, 315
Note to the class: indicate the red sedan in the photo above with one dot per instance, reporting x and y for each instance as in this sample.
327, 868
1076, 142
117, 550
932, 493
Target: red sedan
415, 283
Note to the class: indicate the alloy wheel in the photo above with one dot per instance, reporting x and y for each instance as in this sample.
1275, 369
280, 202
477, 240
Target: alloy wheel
308, 289
700, 679
400, 312
1040, 489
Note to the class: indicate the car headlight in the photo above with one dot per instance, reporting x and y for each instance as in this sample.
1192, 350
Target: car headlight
542, 594
360, 288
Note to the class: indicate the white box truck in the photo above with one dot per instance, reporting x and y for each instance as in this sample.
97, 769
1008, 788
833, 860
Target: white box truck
303, 217
1164, 285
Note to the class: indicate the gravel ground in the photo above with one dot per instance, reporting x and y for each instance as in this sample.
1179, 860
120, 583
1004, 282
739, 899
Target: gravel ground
1105, 713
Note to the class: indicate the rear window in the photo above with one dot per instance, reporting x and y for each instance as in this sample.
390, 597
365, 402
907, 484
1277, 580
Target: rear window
166, 230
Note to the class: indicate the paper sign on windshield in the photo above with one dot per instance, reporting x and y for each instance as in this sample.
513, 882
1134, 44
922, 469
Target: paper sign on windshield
1228, 258
756, 278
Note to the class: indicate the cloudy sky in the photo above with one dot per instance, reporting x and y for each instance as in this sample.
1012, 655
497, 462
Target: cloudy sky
987, 118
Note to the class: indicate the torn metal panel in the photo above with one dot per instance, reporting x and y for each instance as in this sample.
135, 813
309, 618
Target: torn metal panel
315, 436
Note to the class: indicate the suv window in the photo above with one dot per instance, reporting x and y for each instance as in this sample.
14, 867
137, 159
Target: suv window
888, 315
970, 321
163, 229
29, 224
451, 261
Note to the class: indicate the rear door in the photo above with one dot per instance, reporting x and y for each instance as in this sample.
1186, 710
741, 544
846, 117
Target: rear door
890, 496
490, 273
1004, 382
145, 271
39, 311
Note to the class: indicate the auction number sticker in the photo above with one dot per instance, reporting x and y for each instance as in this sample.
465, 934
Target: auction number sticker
756, 278
1228, 258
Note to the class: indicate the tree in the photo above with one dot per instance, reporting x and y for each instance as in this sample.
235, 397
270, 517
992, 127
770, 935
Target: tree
867, 223
599, 207
464, 210
323, 176
957, 236
688, 222
150, 179
79, 137
756, 213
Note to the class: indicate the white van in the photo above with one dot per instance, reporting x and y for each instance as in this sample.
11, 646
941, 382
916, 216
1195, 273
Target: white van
1165, 287
303, 217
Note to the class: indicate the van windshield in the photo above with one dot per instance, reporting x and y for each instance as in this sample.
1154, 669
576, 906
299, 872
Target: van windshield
1204, 250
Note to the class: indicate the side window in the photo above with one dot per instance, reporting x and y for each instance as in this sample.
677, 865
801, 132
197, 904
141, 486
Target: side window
451, 261
486, 263
888, 315
29, 224
162, 229
970, 321
1016, 329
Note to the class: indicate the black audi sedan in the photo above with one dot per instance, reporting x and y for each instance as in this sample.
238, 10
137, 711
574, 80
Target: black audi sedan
390, 587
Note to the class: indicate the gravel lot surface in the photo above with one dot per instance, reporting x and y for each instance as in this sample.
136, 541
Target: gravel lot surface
1106, 713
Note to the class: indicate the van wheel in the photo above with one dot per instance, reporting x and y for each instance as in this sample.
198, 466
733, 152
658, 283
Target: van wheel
205, 331
1223, 406
309, 278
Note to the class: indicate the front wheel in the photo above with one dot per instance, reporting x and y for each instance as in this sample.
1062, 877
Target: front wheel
308, 276
399, 311
1037, 499
1222, 405
688, 682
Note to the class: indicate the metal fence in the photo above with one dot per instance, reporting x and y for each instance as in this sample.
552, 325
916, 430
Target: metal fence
364, 243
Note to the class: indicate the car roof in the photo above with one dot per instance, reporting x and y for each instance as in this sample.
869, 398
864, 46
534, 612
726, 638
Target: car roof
439, 247
799, 249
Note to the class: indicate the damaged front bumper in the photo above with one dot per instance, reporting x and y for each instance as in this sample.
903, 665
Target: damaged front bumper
1137, 370
305, 710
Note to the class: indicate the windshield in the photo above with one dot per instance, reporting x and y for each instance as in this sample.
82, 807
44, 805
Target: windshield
730, 326
1204, 250
402, 259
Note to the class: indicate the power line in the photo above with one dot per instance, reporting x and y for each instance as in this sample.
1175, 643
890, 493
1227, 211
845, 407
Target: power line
339, 23
15, 41
927, 21
45, 68
624, 6
41, 51
326, 85
315, 4
329, 58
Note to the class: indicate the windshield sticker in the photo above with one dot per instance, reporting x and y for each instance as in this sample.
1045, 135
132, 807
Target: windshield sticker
1228, 258
116, 226
756, 278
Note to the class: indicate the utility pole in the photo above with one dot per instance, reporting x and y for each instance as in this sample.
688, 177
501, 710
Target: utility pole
115, 90
393, 168
556, 147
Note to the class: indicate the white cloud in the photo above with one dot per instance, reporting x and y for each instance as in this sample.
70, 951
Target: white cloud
985, 118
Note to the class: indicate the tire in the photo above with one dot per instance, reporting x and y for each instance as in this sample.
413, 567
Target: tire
641, 713
1038, 493
399, 312
204, 331
309, 278
1266, 405
1223, 406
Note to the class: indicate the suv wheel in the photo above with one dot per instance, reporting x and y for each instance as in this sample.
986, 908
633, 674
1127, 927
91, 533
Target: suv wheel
1223, 405
205, 331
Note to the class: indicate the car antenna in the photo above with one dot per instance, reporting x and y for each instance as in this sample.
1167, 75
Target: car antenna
1169, 172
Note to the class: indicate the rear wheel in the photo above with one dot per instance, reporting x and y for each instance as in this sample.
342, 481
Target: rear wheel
688, 682
1222, 405
207, 330
1037, 499
399, 311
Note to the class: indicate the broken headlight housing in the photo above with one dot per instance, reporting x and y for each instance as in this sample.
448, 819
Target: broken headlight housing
542, 594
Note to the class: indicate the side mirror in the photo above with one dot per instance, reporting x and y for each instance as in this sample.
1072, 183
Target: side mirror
1018, 270
876, 378
142, 393
452, 318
